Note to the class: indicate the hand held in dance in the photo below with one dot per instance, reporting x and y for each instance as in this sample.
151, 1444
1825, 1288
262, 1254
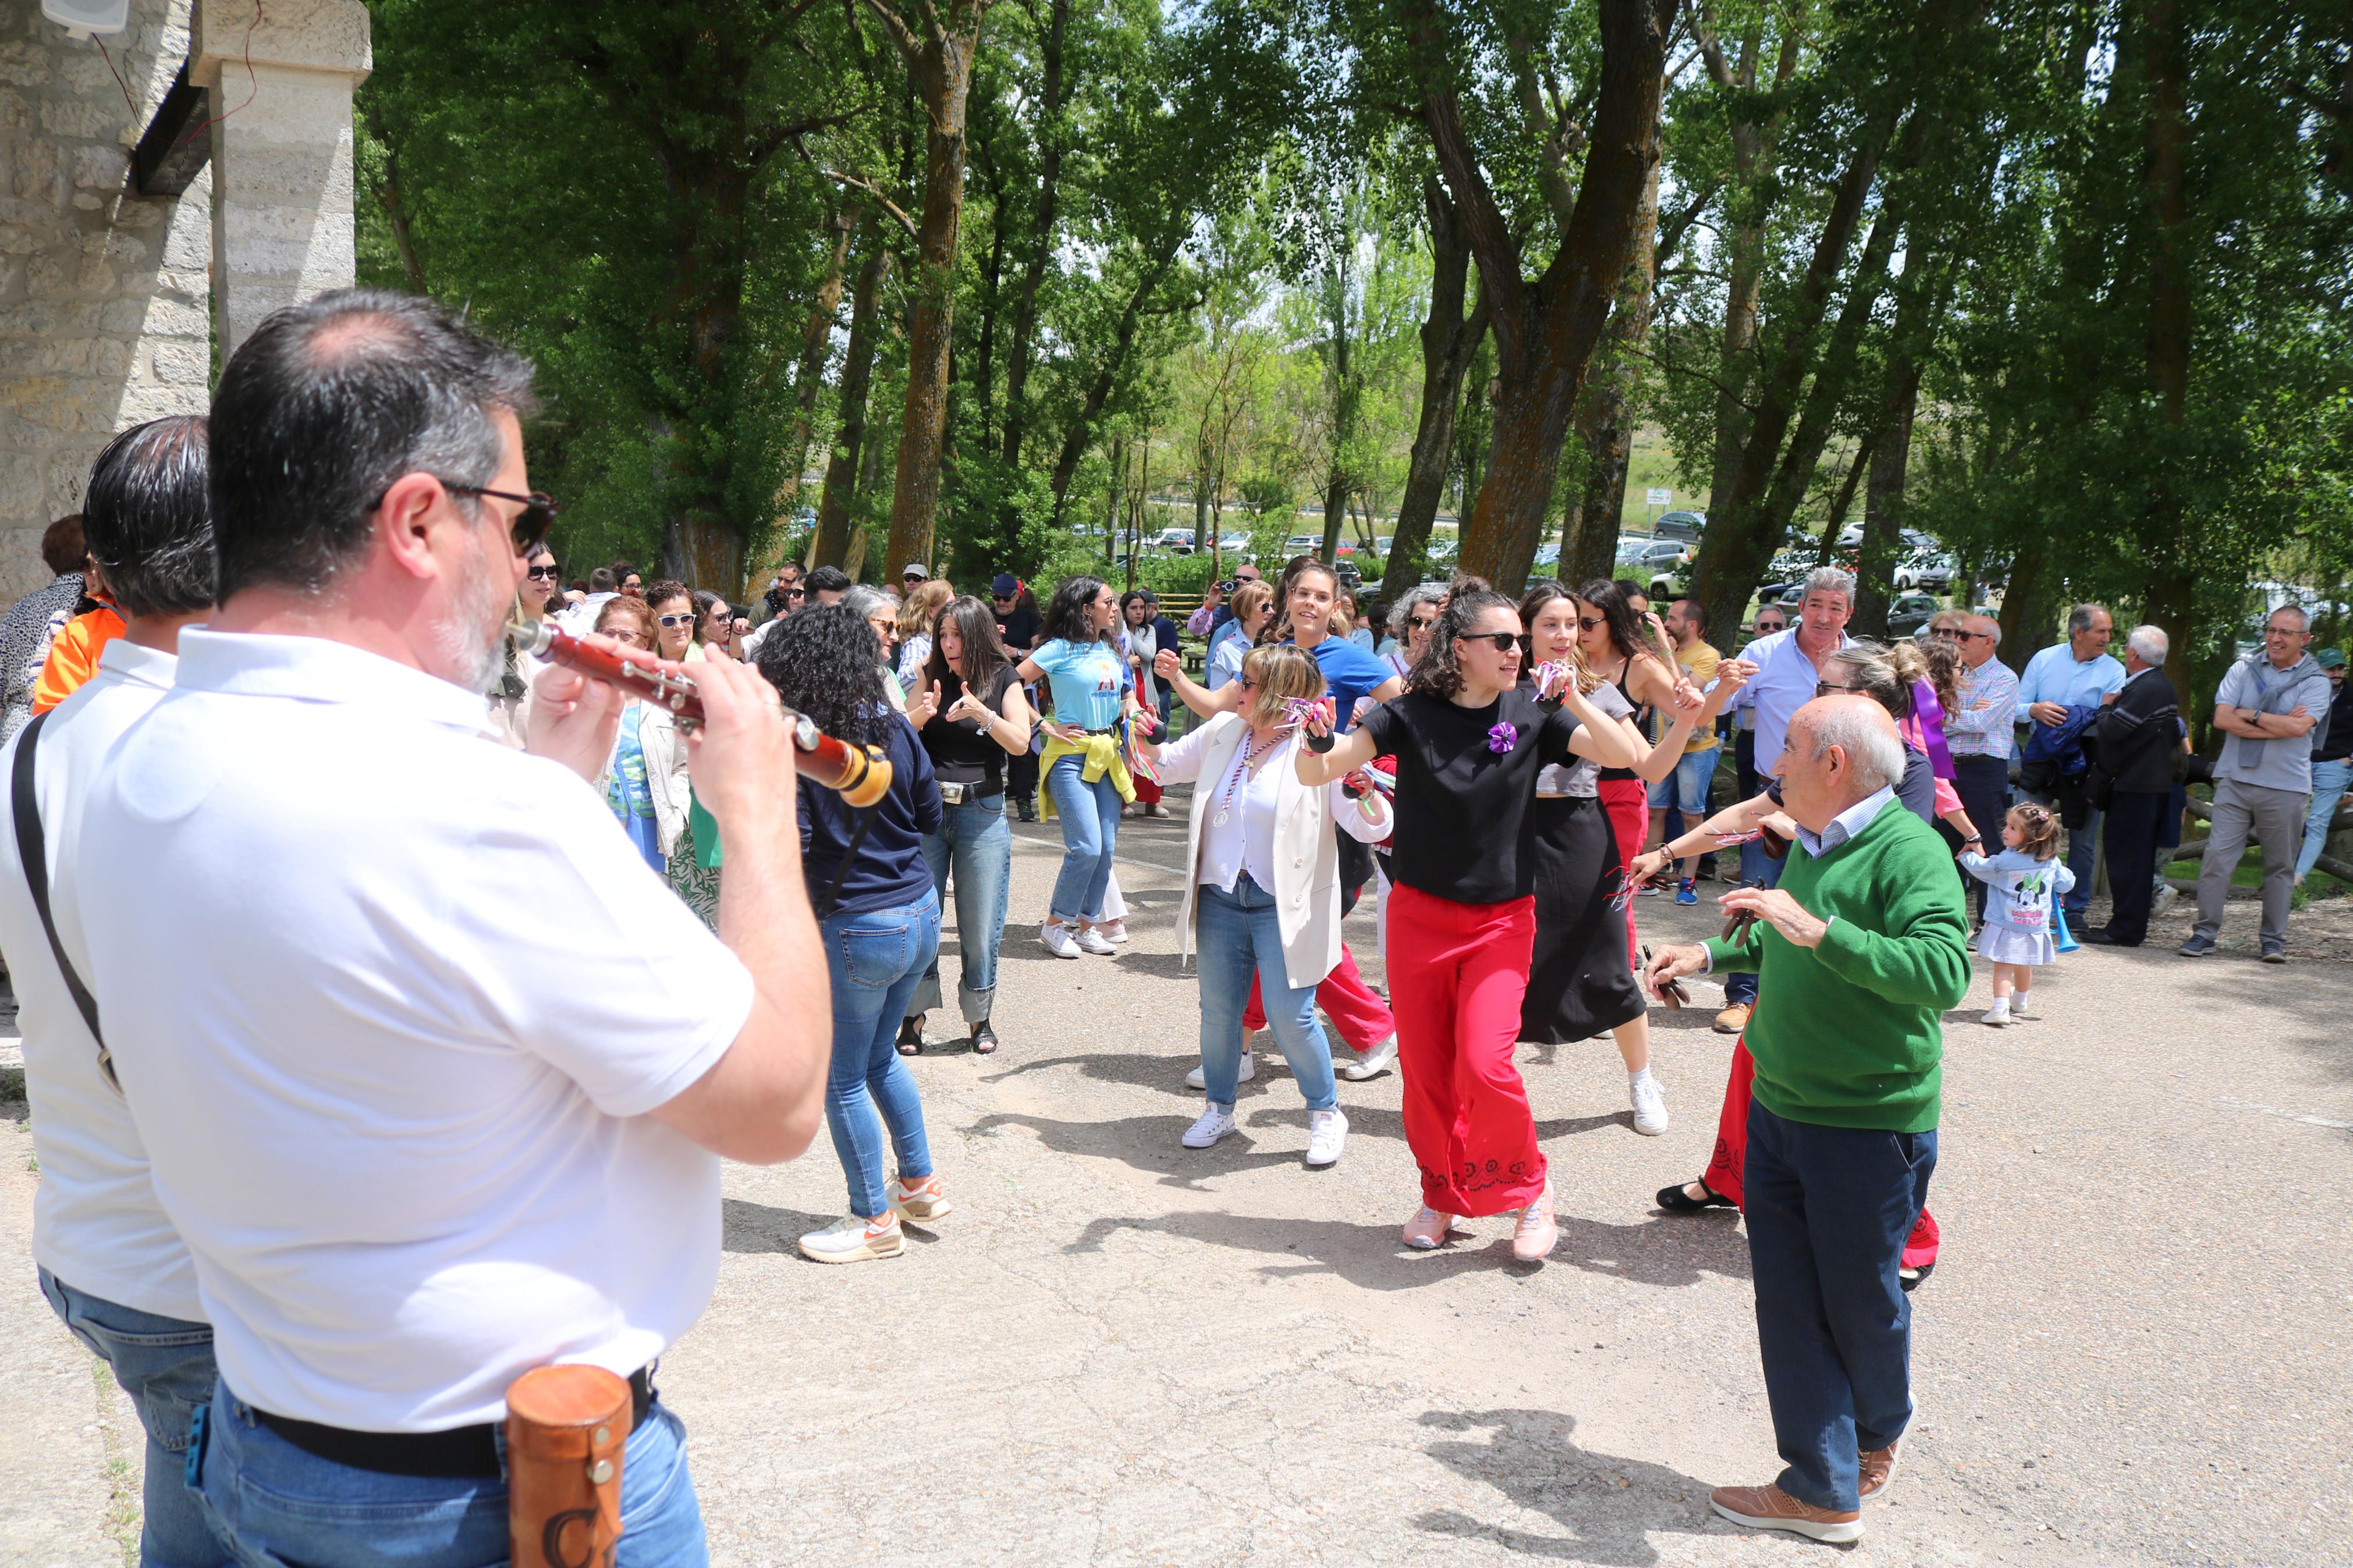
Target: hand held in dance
573, 717
1648, 866
924, 705
1671, 963
1167, 664
739, 757
1338, 757
1782, 911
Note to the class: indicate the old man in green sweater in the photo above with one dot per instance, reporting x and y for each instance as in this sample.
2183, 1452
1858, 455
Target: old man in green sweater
1861, 948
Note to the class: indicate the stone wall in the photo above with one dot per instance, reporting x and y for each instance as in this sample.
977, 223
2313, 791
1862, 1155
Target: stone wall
104, 294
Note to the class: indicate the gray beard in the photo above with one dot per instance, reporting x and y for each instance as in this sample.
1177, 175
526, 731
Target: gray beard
473, 640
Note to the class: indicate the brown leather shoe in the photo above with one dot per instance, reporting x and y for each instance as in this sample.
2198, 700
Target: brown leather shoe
1733, 1019
1770, 1508
1878, 1469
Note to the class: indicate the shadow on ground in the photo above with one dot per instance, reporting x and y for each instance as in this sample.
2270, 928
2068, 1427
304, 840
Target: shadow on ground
1666, 1253
1607, 1508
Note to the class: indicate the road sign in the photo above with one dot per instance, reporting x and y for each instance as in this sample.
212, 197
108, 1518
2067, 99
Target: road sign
1658, 498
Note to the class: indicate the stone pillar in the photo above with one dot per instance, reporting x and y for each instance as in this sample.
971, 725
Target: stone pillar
281, 81
102, 290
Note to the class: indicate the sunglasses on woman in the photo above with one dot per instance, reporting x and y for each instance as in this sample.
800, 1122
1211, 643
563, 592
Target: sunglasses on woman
541, 573
675, 620
1422, 623
1503, 642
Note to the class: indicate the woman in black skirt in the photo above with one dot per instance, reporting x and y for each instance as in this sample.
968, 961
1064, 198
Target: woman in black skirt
1581, 981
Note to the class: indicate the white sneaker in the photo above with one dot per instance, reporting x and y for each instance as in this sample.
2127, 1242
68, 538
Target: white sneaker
1059, 940
1373, 1063
1214, 1123
1199, 1078
1649, 1106
1327, 1133
1113, 931
1092, 941
2165, 897
1998, 1015
851, 1239
2018, 1013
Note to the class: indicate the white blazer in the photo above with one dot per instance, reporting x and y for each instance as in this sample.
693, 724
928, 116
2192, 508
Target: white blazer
1307, 855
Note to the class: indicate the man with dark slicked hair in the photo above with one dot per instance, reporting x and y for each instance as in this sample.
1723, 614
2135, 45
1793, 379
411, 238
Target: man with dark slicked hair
446, 1102
111, 1263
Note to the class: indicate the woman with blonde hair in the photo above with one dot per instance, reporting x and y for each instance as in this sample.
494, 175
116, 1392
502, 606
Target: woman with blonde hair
1265, 887
644, 781
1254, 608
918, 612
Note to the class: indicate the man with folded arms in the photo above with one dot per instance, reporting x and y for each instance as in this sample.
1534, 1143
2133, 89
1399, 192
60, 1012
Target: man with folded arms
1862, 945
433, 1072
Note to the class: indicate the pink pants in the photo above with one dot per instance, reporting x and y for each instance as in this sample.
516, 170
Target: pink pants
1360, 1014
1457, 972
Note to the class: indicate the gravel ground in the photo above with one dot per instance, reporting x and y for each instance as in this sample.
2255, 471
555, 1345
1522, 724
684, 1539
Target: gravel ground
1117, 1351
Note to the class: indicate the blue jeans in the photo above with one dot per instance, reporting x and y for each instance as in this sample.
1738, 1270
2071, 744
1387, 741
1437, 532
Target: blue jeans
2329, 781
1240, 938
1827, 1210
166, 1364
2082, 848
1090, 813
282, 1504
976, 844
877, 959
1742, 988
1686, 789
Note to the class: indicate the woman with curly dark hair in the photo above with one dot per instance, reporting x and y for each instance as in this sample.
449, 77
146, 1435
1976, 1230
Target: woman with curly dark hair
1082, 765
1469, 746
880, 921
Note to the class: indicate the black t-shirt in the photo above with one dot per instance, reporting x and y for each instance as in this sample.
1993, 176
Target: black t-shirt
1463, 830
2338, 744
1019, 630
960, 749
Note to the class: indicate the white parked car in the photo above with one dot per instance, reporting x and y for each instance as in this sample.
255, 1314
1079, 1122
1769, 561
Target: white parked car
1179, 540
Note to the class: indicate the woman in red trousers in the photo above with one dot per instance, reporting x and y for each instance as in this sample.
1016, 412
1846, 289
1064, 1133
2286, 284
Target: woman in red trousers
1469, 746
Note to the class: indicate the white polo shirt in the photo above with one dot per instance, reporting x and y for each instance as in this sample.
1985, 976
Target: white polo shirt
390, 1006
97, 1224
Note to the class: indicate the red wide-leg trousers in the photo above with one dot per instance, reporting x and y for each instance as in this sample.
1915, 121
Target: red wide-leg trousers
1722, 1177
1457, 972
1355, 1009
1626, 802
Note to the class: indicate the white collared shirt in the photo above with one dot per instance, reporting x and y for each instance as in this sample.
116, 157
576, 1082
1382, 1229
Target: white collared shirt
1784, 682
97, 1224
389, 1006
1846, 824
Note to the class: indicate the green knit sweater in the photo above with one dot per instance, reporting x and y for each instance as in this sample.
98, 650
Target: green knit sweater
1848, 1034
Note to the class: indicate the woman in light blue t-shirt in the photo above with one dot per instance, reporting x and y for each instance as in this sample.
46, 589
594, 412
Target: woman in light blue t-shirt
1079, 657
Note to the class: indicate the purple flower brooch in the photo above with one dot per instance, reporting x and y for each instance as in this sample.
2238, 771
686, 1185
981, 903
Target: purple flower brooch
1503, 738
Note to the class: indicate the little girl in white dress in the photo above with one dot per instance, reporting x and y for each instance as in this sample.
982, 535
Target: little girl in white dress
2024, 879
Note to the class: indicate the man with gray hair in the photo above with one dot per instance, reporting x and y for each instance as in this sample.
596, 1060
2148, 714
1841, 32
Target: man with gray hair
2268, 704
1789, 670
2076, 674
2137, 737
1862, 945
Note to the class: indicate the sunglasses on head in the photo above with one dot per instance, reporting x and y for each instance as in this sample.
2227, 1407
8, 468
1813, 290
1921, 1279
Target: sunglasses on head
1503, 642
529, 526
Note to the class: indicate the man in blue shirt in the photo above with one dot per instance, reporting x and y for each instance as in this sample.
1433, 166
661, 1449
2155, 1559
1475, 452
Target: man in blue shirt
2077, 673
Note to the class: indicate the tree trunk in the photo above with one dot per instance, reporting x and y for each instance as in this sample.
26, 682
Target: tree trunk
1449, 339
809, 381
838, 501
1590, 549
940, 57
2170, 598
1018, 350
1546, 330
1917, 308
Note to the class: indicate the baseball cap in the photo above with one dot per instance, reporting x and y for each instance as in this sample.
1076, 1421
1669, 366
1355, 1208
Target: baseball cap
1004, 585
2329, 658
915, 568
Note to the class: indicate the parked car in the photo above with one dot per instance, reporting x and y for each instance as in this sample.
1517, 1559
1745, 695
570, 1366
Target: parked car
1662, 566
1786, 575
1179, 540
1926, 569
1630, 547
1688, 526
1234, 545
1909, 613
1445, 547
1548, 554
1302, 544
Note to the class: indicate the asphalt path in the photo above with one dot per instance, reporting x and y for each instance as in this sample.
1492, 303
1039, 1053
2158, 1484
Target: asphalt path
1117, 1351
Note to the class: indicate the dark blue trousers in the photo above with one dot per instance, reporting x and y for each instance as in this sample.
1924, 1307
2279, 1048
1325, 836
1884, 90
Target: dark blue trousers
2134, 819
1827, 1210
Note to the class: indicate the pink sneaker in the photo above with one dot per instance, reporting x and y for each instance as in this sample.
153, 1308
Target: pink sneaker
1535, 1236
1427, 1229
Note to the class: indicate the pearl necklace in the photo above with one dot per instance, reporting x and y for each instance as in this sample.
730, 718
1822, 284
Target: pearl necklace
1250, 754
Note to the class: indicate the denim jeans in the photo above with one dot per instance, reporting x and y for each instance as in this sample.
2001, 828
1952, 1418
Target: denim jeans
975, 846
1090, 813
1240, 936
2083, 851
1686, 787
282, 1504
165, 1365
1827, 1210
1742, 988
877, 959
2329, 782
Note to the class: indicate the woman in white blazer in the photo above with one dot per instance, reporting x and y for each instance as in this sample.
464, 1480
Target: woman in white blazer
1265, 888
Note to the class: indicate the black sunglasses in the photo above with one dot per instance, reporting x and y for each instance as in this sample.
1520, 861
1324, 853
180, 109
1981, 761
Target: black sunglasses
538, 572
531, 524
1504, 642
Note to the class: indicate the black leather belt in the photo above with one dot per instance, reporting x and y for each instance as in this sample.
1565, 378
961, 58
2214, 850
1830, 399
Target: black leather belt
459, 1453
